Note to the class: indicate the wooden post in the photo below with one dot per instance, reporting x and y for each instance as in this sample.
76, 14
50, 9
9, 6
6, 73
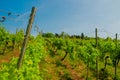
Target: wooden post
116, 39
97, 71
26, 37
116, 59
96, 37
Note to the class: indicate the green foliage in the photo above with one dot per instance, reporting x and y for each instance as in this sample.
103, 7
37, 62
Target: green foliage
30, 68
64, 35
18, 37
87, 53
4, 35
5, 38
59, 43
103, 74
77, 49
48, 35
107, 46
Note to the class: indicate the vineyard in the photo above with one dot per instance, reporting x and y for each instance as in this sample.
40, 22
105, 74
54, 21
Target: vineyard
49, 56
64, 58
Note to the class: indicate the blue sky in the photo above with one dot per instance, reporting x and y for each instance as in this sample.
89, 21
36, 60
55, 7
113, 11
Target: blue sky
70, 16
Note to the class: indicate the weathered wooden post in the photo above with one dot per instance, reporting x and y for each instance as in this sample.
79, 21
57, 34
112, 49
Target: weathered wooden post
116, 59
26, 37
97, 71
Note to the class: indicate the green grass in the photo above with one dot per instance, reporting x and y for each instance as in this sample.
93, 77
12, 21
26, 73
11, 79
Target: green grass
54, 69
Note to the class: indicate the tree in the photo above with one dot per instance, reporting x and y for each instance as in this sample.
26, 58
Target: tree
82, 35
48, 35
56, 35
64, 35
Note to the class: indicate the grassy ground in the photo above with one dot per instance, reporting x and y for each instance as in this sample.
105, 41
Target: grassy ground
52, 68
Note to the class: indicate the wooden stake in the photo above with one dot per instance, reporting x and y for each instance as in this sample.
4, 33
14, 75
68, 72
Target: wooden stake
26, 37
97, 71
116, 59
116, 39
96, 37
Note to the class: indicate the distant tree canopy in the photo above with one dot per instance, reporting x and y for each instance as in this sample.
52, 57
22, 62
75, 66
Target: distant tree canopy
48, 35
64, 35
51, 35
108, 38
82, 35
20, 34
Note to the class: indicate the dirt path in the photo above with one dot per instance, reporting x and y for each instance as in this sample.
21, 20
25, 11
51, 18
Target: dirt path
7, 57
75, 75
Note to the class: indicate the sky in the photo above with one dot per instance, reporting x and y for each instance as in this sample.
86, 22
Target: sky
70, 16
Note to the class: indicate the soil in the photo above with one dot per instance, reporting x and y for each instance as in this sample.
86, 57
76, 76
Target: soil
75, 75
7, 57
